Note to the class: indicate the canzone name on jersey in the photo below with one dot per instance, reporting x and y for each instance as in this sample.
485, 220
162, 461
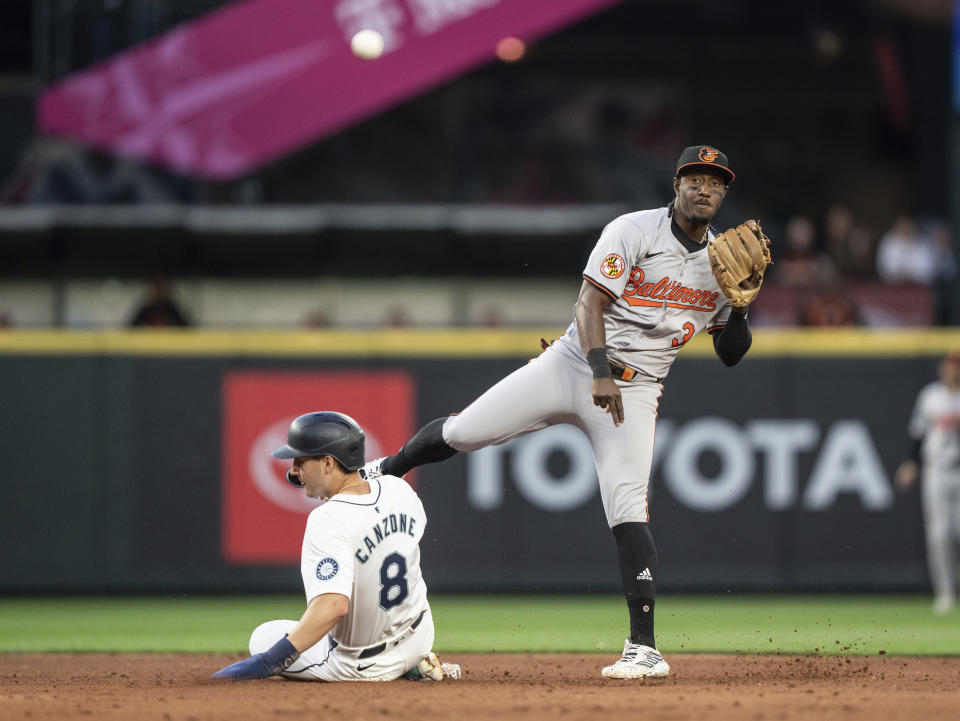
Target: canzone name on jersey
662, 293
394, 523
367, 548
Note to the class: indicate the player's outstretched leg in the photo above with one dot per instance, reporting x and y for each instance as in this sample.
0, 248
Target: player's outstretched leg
522, 402
427, 446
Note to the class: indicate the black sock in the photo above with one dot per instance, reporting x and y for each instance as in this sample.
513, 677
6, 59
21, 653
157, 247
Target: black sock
427, 446
641, 621
639, 570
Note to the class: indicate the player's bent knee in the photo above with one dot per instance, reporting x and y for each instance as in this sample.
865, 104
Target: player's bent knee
268, 633
455, 435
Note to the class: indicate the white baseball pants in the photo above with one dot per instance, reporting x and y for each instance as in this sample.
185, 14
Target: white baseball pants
941, 516
327, 661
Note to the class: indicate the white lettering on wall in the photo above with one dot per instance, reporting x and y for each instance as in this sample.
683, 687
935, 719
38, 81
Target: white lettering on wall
781, 441
538, 486
431, 15
767, 451
848, 463
682, 474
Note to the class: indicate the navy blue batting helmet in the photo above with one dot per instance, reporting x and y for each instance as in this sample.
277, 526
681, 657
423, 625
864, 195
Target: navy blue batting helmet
324, 433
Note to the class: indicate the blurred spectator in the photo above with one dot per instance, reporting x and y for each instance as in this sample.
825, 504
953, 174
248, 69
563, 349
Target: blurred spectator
946, 272
829, 308
941, 248
905, 256
491, 317
850, 245
397, 317
6, 320
159, 309
837, 226
54, 171
859, 255
318, 319
802, 264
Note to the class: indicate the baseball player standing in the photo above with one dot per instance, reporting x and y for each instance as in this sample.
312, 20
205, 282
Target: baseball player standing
935, 430
367, 616
653, 281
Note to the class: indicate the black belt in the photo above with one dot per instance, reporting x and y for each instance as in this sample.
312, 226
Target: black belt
380, 648
626, 373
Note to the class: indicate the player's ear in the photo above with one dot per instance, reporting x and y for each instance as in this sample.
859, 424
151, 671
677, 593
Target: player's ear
676, 185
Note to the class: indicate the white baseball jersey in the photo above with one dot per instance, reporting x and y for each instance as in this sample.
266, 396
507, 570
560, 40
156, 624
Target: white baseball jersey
663, 294
367, 548
936, 419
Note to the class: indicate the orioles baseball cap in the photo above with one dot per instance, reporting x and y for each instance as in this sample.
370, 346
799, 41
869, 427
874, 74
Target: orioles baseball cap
705, 155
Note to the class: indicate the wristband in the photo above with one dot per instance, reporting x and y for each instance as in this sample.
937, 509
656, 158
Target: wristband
599, 364
280, 656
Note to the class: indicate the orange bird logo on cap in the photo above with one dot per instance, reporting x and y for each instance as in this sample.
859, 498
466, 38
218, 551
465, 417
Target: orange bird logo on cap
708, 154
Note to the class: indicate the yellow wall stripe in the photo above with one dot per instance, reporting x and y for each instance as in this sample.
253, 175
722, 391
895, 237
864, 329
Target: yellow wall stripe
442, 343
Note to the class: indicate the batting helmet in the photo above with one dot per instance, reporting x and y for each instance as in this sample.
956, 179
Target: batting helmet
324, 434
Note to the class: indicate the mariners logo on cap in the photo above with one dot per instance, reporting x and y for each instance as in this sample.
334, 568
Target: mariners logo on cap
613, 266
708, 154
327, 569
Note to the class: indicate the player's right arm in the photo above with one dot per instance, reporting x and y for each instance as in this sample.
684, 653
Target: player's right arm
604, 278
593, 341
322, 614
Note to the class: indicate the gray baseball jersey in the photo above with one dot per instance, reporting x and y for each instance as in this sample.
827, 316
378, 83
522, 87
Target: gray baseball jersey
662, 293
936, 419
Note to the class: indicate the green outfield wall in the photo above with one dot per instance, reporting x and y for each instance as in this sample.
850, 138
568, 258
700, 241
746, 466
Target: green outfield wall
139, 461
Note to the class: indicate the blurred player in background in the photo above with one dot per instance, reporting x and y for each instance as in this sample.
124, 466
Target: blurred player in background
367, 616
935, 430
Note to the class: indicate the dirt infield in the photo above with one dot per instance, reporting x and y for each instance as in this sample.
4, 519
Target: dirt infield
174, 687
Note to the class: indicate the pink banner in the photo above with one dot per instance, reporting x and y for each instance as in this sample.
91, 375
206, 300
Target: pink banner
235, 89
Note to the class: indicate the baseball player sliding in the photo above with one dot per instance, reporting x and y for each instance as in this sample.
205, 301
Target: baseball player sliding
655, 279
935, 429
367, 616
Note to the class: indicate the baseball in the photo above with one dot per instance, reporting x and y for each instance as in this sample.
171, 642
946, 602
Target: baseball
367, 44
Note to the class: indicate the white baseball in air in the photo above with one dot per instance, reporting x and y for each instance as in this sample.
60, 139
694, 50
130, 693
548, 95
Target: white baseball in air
367, 44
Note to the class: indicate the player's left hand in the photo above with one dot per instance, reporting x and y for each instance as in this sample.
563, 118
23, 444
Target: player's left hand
738, 258
275, 660
246, 670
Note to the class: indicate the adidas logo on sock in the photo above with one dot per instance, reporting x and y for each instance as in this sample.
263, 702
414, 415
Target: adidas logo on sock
645, 575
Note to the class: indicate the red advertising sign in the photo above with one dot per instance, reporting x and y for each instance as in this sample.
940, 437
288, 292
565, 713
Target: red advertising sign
263, 516
235, 88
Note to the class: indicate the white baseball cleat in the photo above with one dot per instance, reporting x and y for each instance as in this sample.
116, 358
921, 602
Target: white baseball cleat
451, 670
372, 469
638, 661
430, 669
943, 603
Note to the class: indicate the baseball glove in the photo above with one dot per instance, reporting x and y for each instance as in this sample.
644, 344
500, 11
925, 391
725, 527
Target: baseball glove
738, 259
